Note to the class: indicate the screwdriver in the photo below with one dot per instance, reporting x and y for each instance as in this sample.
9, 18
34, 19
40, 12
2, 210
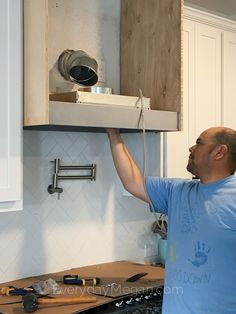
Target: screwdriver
76, 280
10, 290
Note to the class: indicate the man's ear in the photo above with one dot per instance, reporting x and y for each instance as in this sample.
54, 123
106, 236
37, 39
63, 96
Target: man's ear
220, 151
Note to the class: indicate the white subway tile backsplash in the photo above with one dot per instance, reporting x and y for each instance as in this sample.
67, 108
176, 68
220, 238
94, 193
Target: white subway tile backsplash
91, 223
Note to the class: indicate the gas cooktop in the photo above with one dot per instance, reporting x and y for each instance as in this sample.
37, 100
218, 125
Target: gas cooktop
149, 302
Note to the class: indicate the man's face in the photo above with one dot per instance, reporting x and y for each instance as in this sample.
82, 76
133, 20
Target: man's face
200, 156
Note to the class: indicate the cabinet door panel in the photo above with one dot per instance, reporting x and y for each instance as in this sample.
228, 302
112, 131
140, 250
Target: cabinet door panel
207, 78
10, 103
177, 144
229, 79
201, 92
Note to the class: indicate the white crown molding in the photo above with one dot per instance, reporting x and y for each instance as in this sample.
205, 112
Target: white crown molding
209, 19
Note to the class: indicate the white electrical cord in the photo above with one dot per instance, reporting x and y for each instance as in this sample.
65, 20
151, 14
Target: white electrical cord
144, 172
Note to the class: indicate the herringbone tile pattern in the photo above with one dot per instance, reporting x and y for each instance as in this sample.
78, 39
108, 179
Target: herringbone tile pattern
91, 223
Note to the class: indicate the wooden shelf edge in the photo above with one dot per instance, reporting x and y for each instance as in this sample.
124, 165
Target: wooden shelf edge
84, 117
104, 116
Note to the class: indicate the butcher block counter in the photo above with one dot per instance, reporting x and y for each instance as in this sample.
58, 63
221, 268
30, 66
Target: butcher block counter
112, 286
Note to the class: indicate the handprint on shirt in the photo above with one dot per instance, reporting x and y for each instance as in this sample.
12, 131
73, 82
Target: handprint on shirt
201, 254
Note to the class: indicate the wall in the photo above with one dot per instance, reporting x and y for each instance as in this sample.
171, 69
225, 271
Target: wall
92, 222
225, 9
92, 26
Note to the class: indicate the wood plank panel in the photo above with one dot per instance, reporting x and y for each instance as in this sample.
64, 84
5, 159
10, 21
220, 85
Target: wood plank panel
36, 88
151, 51
95, 115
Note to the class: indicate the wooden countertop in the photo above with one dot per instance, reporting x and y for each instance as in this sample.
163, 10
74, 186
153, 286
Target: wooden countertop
115, 272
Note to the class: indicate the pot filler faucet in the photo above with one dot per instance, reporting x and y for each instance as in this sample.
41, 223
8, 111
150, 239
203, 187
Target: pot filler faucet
54, 188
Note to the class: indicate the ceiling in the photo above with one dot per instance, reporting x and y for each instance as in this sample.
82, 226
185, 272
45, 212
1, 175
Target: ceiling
224, 8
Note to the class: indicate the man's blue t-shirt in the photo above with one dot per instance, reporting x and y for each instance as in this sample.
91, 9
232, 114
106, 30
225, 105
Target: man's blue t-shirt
201, 250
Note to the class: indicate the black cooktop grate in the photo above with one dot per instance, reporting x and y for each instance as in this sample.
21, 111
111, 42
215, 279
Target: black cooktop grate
149, 302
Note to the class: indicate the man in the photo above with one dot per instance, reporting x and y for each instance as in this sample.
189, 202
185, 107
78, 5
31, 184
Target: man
200, 273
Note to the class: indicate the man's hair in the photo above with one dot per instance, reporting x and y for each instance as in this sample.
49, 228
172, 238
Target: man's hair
227, 136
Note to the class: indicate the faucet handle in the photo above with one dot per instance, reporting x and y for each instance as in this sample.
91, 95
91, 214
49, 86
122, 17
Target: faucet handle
52, 189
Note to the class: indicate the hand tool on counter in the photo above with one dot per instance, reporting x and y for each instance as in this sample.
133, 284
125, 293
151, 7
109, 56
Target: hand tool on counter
76, 280
31, 302
45, 287
11, 290
136, 277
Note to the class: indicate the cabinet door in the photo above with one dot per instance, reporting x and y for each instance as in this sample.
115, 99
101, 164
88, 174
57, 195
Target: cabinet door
201, 92
206, 111
229, 79
177, 143
10, 104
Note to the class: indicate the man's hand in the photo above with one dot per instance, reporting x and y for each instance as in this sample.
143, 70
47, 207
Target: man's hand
113, 132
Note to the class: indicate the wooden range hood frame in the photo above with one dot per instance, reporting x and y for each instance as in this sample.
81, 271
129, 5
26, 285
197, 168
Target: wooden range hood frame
42, 114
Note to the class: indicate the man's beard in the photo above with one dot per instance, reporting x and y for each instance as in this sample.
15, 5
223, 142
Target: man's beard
190, 167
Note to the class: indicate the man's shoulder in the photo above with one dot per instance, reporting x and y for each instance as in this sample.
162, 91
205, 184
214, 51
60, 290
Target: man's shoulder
173, 182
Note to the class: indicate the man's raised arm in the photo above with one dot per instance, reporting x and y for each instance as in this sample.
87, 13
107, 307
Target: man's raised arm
128, 171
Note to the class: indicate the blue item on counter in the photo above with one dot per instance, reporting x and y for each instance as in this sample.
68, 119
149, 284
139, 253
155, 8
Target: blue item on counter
162, 244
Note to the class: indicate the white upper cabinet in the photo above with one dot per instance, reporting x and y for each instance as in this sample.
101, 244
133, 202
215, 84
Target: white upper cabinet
209, 76
229, 80
207, 79
177, 143
10, 105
